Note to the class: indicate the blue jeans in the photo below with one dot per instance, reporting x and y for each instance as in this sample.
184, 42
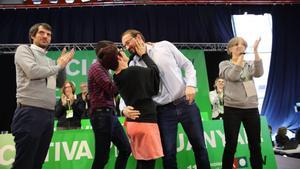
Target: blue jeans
107, 129
189, 116
33, 130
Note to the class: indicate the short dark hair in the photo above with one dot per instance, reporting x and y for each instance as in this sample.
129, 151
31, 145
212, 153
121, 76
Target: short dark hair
133, 33
100, 45
281, 131
110, 57
34, 29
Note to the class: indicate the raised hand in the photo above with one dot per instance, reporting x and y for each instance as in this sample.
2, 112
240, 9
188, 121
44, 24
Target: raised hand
71, 97
256, 43
64, 100
140, 47
255, 46
65, 57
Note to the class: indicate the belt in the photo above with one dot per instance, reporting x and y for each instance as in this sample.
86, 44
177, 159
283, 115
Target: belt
179, 100
175, 102
19, 105
104, 109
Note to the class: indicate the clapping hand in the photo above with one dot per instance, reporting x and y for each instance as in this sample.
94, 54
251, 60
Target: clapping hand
255, 46
64, 100
256, 43
65, 57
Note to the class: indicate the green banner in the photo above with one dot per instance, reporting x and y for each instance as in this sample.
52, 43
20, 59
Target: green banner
74, 149
77, 71
202, 97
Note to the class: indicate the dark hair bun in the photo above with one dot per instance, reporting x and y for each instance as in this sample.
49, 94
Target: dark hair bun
109, 57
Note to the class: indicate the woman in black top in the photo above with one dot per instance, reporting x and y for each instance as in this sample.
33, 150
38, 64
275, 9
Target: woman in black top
137, 85
68, 109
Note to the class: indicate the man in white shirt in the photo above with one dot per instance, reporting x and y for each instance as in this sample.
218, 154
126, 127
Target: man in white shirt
175, 99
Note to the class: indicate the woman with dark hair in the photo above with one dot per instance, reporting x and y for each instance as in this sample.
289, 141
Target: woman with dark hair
106, 125
68, 109
281, 138
137, 85
241, 102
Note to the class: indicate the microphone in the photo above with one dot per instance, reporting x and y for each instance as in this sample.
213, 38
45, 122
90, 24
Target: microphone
243, 53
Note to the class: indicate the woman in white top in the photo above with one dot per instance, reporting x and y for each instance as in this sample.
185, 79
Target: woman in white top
217, 100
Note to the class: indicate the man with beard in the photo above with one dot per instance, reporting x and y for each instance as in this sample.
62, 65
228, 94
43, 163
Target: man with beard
175, 98
37, 79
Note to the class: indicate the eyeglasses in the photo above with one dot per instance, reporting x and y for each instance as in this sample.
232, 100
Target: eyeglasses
121, 50
127, 43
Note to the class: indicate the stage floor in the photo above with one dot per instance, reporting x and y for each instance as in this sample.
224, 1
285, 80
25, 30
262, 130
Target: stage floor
287, 162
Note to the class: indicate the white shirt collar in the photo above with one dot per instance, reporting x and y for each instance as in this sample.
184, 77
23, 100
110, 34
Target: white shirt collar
149, 47
35, 47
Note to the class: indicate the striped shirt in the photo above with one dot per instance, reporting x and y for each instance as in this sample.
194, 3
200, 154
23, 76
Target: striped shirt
102, 90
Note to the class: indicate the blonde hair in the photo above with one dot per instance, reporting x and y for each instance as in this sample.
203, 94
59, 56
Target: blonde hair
216, 81
234, 41
72, 84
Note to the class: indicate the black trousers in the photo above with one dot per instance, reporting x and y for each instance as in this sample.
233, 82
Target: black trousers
107, 129
233, 117
145, 164
32, 129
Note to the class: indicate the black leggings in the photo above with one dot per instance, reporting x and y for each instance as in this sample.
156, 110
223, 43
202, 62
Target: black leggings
145, 164
233, 118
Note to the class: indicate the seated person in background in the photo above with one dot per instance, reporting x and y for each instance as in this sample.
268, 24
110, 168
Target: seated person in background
137, 85
68, 109
83, 97
217, 100
281, 137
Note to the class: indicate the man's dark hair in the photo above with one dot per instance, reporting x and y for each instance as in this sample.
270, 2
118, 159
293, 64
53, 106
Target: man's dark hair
133, 33
34, 29
100, 45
